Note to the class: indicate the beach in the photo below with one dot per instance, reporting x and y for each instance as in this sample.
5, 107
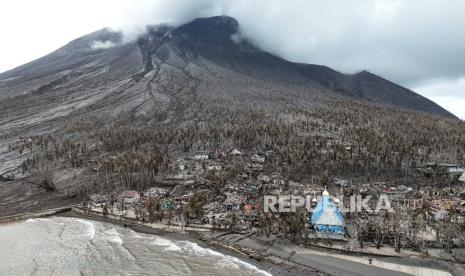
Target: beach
281, 257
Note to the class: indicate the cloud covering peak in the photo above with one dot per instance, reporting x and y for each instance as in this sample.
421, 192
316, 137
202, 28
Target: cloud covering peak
411, 42
404, 40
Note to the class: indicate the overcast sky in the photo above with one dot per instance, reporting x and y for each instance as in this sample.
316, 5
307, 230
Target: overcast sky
417, 43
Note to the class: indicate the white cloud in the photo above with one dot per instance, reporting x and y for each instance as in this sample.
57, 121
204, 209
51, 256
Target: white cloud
30, 29
444, 87
449, 93
453, 104
404, 40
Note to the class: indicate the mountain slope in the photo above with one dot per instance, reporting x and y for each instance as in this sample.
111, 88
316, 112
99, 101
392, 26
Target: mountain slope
211, 41
129, 110
174, 76
217, 45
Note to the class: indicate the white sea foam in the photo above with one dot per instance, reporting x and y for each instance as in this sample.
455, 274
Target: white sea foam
90, 228
248, 266
225, 261
108, 241
135, 235
113, 236
197, 250
167, 244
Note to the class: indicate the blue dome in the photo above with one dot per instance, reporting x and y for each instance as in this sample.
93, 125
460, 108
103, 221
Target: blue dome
326, 217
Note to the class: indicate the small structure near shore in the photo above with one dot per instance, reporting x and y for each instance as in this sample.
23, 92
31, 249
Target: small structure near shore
130, 197
435, 169
98, 200
462, 178
326, 217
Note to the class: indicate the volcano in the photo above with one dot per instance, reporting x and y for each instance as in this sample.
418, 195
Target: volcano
197, 86
168, 71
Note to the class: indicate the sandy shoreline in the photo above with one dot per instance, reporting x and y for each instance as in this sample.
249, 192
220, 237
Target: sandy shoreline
281, 257
195, 237
284, 258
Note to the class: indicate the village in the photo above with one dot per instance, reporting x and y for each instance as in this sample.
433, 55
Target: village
199, 192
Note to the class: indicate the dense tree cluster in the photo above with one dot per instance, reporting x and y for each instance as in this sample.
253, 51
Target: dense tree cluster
340, 138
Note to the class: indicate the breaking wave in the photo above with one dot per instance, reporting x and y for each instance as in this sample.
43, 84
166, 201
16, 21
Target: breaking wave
167, 244
223, 260
113, 236
112, 251
90, 228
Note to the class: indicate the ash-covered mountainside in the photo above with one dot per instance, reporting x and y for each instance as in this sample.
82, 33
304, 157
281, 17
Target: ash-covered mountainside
102, 114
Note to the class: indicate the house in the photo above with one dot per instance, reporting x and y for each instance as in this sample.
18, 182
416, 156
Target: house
397, 190
272, 188
168, 204
211, 207
230, 188
233, 202
221, 155
365, 189
255, 167
257, 158
242, 176
295, 186
251, 189
314, 202
452, 170
156, 192
184, 198
249, 208
214, 167
182, 166
201, 156
97, 200
264, 178
343, 182
176, 177
235, 152
277, 179
441, 215
130, 197
462, 178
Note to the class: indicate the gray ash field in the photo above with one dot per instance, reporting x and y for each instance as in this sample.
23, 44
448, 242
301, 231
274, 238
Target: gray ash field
85, 119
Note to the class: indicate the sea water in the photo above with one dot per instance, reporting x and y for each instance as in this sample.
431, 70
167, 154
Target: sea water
72, 246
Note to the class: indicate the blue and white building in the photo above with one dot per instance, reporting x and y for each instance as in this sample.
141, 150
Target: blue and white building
326, 216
